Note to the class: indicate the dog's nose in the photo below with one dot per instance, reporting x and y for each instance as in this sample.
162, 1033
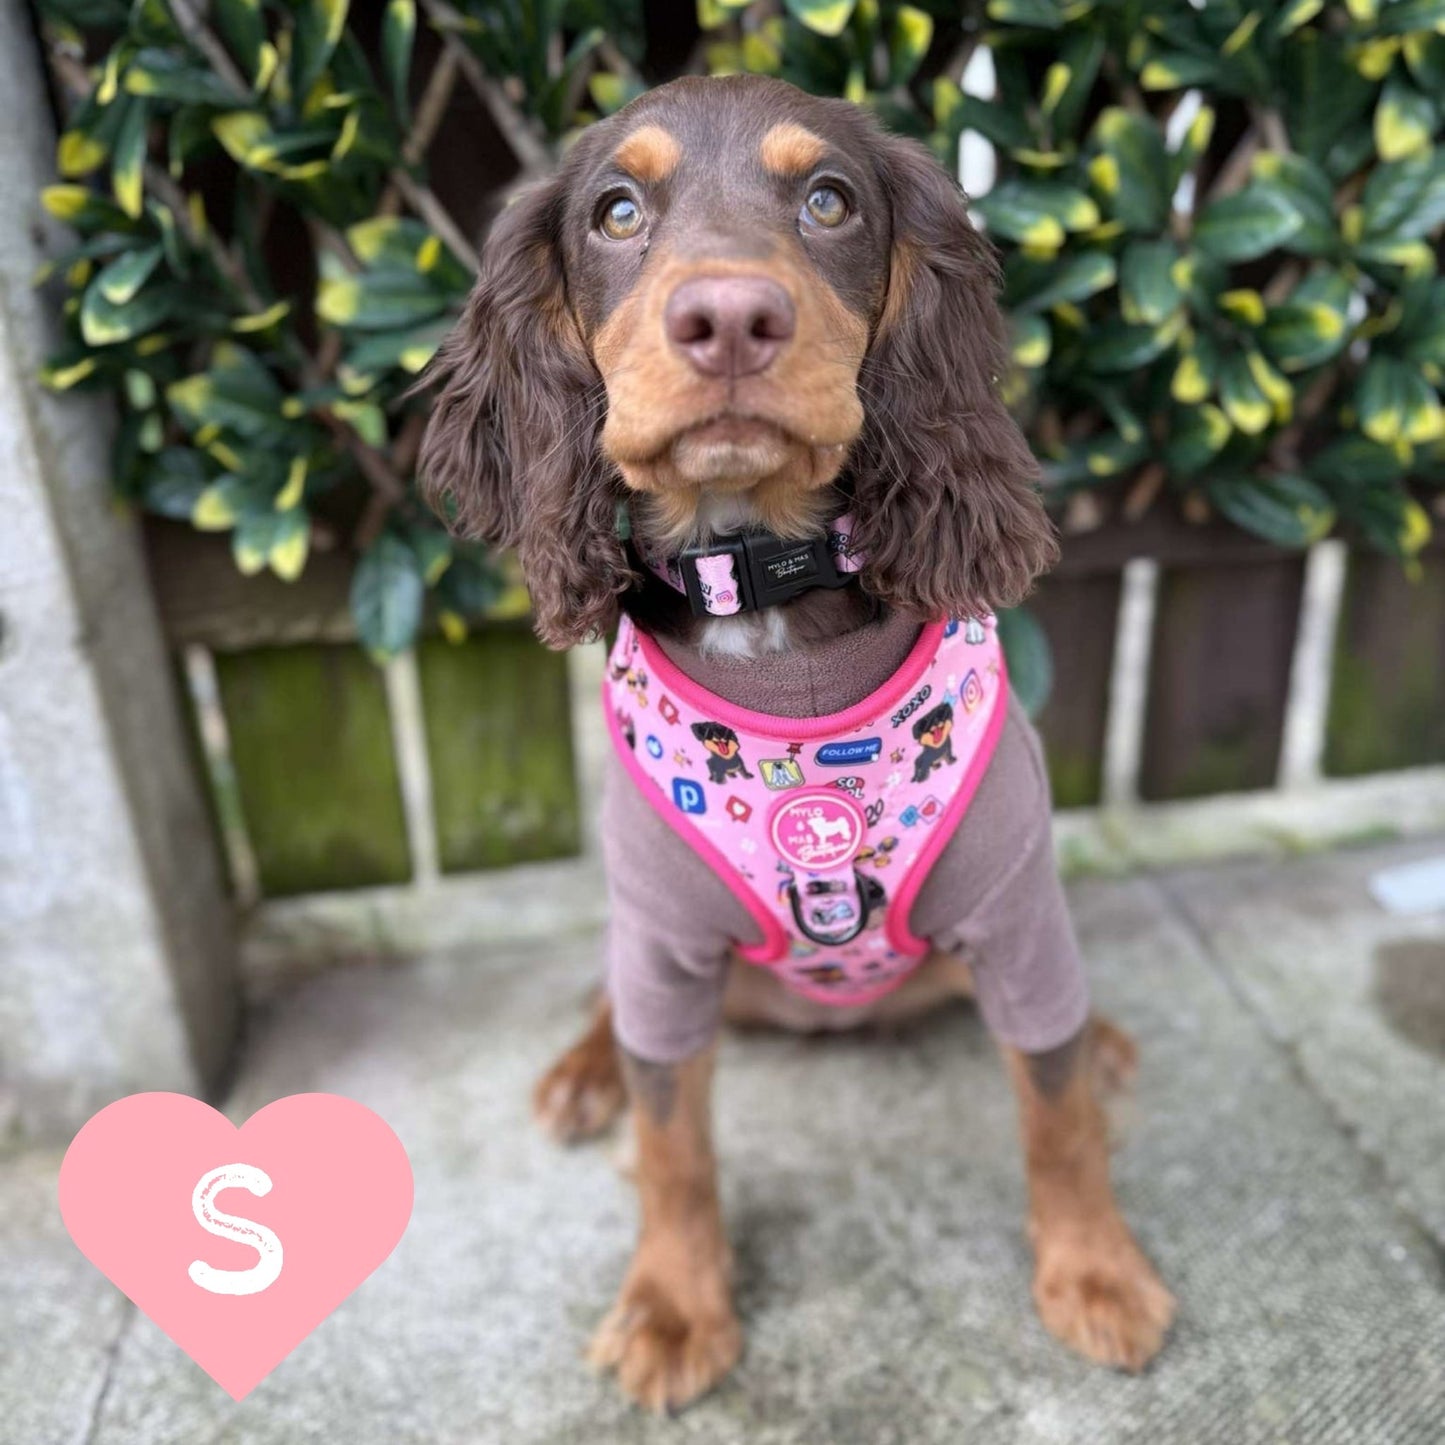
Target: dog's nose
729, 325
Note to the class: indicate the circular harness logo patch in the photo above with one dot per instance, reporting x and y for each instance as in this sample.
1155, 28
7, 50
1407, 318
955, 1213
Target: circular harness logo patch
818, 830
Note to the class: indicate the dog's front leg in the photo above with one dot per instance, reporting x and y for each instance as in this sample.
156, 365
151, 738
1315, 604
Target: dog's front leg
1093, 1286
582, 1093
672, 1334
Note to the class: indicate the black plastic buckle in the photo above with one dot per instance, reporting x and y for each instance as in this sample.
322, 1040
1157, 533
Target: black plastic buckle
769, 570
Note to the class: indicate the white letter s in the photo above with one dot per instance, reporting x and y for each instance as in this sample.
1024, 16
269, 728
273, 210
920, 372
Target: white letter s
267, 1269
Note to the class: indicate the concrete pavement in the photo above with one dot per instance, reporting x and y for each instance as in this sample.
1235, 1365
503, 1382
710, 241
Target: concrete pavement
1283, 1162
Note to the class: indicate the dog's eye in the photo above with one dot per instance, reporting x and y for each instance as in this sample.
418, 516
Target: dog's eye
826, 207
621, 219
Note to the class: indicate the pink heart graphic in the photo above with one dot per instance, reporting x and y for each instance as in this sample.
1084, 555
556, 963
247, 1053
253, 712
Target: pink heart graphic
236, 1242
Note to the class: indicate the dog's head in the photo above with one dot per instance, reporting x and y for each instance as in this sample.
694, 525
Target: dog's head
933, 728
717, 738
733, 289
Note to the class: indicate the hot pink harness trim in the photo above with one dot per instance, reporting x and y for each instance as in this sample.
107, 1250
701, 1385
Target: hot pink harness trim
813, 835
787, 729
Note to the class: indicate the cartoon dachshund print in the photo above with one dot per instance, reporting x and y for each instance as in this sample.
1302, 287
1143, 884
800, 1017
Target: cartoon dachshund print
723, 756
934, 734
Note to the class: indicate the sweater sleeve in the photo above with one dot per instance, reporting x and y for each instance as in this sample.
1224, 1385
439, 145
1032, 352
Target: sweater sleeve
995, 898
671, 932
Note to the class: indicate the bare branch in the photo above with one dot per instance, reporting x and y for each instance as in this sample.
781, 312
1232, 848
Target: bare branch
1271, 126
402, 185
1147, 486
195, 29
530, 150
424, 202
1235, 170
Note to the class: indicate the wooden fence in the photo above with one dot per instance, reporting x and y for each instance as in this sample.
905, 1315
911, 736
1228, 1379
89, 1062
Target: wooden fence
1255, 668
1189, 661
312, 750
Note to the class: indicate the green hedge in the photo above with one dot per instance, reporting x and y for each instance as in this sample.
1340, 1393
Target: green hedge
1238, 301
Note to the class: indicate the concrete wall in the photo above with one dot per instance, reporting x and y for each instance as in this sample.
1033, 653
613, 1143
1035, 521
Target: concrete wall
116, 961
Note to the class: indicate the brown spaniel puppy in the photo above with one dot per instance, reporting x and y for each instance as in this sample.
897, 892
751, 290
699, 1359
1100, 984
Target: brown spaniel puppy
741, 310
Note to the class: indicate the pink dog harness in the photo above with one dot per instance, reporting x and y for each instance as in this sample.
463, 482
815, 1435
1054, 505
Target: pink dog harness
824, 828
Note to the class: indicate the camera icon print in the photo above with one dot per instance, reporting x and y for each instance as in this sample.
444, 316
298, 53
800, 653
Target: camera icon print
237, 1242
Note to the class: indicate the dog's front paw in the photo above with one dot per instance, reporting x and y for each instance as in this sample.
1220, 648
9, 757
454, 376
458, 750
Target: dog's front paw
665, 1357
581, 1094
1101, 1297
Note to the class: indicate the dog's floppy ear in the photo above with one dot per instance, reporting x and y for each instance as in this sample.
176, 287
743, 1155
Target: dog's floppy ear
510, 453
939, 457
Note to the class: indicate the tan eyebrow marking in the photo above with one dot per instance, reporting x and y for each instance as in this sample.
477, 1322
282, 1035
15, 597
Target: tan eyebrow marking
650, 153
789, 148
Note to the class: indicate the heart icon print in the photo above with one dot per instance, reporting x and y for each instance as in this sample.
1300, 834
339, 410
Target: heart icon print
236, 1242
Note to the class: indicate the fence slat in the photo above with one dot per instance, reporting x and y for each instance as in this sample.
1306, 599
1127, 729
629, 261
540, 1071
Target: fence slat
311, 745
1078, 614
499, 737
1223, 640
1387, 702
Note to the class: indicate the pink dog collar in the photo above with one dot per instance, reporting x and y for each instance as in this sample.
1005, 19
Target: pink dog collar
753, 570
